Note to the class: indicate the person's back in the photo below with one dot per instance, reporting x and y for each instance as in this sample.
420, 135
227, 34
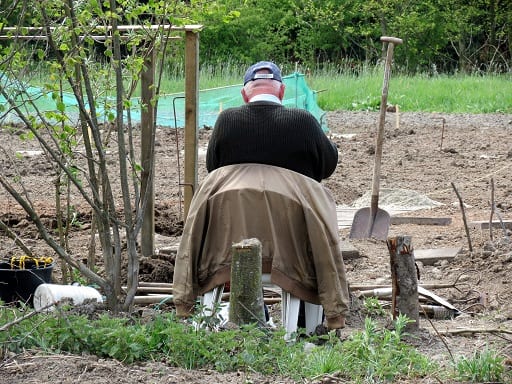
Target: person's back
264, 131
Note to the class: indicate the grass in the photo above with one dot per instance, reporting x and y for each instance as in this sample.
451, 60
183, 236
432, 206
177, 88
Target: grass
420, 93
483, 366
358, 90
342, 89
372, 355
210, 76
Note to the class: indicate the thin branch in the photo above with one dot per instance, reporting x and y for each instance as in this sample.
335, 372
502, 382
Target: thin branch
34, 217
5, 327
439, 334
16, 238
463, 211
475, 330
492, 209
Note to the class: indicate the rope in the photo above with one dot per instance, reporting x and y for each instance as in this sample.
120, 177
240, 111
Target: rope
21, 261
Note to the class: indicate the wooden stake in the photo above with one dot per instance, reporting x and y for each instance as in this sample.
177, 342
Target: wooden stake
147, 154
397, 116
492, 210
404, 281
246, 292
191, 115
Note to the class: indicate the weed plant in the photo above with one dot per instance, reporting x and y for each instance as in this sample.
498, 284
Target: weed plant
375, 354
373, 307
129, 339
210, 76
371, 355
483, 367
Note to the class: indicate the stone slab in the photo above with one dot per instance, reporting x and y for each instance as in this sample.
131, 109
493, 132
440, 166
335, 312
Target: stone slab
484, 224
433, 255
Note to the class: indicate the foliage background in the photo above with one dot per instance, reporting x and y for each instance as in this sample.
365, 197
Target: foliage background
445, 36
439, 35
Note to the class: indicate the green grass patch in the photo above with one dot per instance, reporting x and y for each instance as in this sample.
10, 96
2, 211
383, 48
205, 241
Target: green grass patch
210, 76
420, 93
340, 90
483, 367
372, 355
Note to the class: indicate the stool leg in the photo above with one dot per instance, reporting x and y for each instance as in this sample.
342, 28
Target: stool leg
290, 313
314, 316
211, 300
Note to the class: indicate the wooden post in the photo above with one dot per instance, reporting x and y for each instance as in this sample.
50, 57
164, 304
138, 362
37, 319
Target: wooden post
246, 296
147, 122
404, 280
191, 114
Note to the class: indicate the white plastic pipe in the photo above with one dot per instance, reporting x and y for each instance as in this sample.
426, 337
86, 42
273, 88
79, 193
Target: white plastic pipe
47, 295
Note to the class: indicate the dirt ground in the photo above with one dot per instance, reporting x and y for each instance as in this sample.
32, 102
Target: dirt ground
423, 154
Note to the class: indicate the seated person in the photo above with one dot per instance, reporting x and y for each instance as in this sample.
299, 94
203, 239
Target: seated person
265, 165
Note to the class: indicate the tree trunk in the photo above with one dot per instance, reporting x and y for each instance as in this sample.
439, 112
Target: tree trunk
246, 298
404, 280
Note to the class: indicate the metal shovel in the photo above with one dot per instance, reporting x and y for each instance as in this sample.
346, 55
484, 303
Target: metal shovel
374, 221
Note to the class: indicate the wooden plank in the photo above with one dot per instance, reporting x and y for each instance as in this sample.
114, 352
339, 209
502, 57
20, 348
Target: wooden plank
159, 290
431, 256
348, 251
399, 220
483, 224
345, 215
155, 284
426, 285
153, 299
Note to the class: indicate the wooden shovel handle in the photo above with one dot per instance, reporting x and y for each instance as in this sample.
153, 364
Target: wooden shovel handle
390, 39
382, 119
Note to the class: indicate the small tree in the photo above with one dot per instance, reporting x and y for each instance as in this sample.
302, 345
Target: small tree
76, 34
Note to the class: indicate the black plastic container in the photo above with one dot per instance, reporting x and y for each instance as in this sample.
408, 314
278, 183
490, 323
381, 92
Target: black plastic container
20, 284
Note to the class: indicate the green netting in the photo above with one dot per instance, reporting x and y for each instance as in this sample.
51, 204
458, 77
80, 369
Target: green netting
171, 107
212, 101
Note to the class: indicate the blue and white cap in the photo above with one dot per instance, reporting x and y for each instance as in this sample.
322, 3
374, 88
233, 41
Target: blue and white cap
251, 75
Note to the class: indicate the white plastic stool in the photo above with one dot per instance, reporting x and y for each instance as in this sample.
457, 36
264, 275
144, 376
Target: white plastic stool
290, 306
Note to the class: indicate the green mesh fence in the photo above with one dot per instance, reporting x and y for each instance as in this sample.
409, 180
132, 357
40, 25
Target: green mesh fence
171, 107
213, 101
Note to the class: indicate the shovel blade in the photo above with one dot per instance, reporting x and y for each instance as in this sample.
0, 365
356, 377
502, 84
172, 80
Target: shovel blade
365, 225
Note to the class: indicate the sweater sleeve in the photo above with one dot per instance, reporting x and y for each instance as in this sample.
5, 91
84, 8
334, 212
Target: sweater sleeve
329, 157
212, 157
325, 149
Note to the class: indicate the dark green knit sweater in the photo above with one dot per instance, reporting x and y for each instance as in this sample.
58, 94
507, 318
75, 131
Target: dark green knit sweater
269, 133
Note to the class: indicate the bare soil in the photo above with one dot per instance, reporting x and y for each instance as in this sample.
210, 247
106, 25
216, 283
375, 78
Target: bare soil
429, 154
